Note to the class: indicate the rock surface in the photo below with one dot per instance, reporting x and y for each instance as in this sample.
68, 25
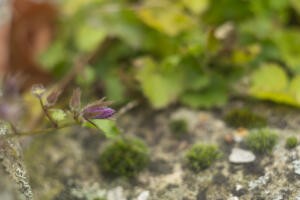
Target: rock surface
240, 156
64, 166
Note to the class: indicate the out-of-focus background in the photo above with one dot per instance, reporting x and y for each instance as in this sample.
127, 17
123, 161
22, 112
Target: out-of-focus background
198, 53
221, 73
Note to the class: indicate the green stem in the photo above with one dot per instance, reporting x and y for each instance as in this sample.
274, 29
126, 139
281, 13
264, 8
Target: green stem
38, 132
47, 114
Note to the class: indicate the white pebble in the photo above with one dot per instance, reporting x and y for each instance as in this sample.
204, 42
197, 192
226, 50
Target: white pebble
241, 156
144, 195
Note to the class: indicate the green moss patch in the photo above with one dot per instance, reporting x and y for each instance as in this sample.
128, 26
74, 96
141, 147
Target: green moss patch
262, 140
201, 156
291, 142
178, 128
245, 118
124, 158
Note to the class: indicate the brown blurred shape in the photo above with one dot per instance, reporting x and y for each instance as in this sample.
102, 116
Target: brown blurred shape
31, 29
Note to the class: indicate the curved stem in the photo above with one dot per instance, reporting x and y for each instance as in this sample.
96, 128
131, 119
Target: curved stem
42, 131
47, 114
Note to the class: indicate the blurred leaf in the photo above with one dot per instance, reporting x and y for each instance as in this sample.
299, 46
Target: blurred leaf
88, 38
57, 114
288, 43
269, 77
159, 86
271, 82
114, 89
206, 98
107, 126
196, 6
87, 77
156, 16
55, 54
295, 88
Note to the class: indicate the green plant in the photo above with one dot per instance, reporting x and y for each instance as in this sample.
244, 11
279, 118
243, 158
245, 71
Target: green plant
262, 140
291, 142
178, 128
125, 157
244, 118
201, 156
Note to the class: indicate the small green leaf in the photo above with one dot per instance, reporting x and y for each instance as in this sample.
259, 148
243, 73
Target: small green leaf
88, 37
107, 126
206, 98
270, 77
57, 114
160, 86
295, 88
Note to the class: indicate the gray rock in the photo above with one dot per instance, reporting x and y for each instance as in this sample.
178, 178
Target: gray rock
116, 194
296, 164
144, 195
241, 156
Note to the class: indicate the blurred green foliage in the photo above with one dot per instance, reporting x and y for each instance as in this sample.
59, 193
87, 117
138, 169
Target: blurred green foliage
188, 51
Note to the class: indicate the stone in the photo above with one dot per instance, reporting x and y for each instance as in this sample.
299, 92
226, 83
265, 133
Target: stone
240, 156
116, 194
144, 195
296, 164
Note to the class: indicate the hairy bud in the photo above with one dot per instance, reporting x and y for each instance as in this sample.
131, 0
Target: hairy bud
52, 97
38, 90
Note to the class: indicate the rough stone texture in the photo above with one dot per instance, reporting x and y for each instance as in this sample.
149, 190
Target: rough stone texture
62, 166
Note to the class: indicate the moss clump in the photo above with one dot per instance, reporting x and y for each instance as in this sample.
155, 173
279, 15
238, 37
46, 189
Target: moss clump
124, 158
245, 118
201, 156
178, 128
262, 140
291, 142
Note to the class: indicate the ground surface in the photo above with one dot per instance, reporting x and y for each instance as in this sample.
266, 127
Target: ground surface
63, 166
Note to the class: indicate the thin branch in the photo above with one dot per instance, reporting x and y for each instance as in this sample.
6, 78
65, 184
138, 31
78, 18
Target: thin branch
47, 114
42, 131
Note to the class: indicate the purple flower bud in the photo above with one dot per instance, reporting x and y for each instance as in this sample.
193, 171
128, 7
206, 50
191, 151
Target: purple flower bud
97, 112
52, 97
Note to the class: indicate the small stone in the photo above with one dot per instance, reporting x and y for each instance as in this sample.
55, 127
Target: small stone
296, 164
233, 198
241, 156
116, 194
144, 195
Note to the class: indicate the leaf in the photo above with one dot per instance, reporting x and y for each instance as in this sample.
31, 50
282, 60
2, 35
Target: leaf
57, 114
270, 78
157, 16
88, 38
196, 6
87, 77
205, 99
159, 86
114, 88
271, 82
288, 44
295, 88
107, 126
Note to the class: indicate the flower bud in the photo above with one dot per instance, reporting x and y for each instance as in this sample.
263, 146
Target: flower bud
52, 97
38, 90
97, 112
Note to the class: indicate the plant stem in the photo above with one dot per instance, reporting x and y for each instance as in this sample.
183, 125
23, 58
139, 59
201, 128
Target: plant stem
37, 132
47, 114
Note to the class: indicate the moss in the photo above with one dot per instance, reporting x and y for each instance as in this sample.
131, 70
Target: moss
178, 128
124, 158
291, 142
245, 118
201, 156
262, 140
